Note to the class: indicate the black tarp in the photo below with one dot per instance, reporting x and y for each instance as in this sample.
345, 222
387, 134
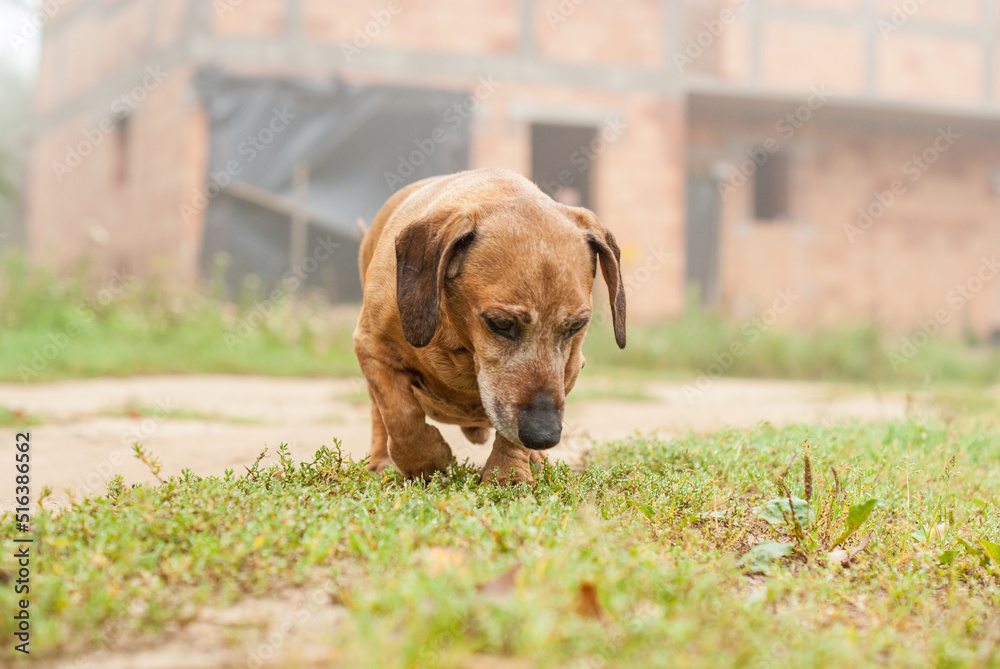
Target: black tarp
361, 143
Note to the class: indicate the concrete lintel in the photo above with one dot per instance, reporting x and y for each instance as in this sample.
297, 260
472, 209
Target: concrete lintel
718, 102
534, 112
243, 53
98, 100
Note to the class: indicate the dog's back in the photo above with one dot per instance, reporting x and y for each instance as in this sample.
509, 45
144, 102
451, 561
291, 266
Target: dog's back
484, 184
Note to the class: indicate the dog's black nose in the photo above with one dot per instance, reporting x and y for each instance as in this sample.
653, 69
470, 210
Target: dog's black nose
540, 424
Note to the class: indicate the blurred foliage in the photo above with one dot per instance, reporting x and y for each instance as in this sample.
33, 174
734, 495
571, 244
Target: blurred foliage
91, 324
15, 116
701, 343
88, 324
7, 188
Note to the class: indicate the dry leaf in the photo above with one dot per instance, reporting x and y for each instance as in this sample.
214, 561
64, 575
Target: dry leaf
587, 604
502, 584
844, 557
838, 556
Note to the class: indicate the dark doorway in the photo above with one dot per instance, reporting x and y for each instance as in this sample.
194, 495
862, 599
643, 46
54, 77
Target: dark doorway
770, 188
703, 210
294, 164
561, 160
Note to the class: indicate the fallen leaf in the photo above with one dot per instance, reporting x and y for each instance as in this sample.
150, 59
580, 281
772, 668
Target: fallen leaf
947, 557
502, 584
838, 556
763, 554
992, 549
587, 604
844, 557
776, 510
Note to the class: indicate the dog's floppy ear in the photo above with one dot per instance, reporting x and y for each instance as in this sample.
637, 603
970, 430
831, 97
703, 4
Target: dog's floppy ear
427, 250
606, 248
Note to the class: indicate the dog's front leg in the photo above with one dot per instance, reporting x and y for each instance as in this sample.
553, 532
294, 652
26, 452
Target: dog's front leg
508, 463
416, 448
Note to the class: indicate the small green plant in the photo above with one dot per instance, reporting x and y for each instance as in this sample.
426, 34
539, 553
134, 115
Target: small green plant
115, 487
151, 461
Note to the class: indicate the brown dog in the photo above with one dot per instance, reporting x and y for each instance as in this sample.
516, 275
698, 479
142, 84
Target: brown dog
476, 302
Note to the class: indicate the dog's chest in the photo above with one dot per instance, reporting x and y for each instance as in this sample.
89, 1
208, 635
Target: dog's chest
467, 412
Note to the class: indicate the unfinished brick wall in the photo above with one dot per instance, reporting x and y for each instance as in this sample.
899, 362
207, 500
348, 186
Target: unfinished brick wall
874, 236
119, 205
122, 143
931, 52
450, 26
574, 62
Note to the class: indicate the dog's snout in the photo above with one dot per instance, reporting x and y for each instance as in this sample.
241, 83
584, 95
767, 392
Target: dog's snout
540, 425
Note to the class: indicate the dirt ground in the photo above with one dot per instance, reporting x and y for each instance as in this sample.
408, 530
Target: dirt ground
210, 423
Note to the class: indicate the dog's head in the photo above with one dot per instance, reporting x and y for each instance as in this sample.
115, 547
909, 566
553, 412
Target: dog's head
513, 280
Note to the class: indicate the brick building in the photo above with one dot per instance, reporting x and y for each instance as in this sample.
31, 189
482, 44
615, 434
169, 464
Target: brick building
840, 155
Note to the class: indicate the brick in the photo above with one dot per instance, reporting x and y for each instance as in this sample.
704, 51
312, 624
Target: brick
930, 69
800, 55
600, 31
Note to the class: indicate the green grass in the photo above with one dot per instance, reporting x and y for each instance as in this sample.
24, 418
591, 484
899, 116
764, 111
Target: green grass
17, 418
57, 328
641, 560
80, 326
700, 344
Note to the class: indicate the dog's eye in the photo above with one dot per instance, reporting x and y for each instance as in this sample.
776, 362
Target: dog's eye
504, 327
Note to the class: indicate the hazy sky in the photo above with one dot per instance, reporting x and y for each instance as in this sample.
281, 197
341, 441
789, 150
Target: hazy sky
14, 52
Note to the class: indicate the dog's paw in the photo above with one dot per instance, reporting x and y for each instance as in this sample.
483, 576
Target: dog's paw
501, 469
423, 456
477, 435
378, 466
501, 477
538, 458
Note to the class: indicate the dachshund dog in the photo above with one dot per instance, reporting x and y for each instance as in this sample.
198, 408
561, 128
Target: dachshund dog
477, 297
